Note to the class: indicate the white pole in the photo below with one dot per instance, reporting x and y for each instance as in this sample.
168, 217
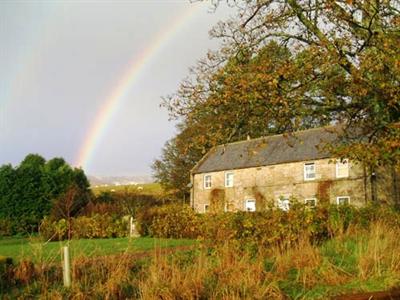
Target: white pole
66, 268
131, 231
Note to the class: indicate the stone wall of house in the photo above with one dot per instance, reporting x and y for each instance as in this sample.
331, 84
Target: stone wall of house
268, 184
387, 181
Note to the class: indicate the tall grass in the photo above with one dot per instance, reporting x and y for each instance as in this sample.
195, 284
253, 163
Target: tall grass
355, 259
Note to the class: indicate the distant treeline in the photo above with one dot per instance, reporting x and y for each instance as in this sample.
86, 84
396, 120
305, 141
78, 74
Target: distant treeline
38, 190
29, 191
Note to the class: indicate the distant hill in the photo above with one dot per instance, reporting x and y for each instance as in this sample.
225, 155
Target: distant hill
154, 189
96, 181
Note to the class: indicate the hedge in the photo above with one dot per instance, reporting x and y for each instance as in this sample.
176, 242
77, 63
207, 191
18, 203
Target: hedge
96, 226
266, 228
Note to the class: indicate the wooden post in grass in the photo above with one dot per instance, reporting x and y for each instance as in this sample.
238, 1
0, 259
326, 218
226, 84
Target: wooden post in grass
66, 267
132, 228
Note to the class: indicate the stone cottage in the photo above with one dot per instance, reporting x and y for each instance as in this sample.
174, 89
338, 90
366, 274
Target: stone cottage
250, 175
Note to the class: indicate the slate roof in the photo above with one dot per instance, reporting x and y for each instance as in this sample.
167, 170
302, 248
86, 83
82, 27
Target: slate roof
277, 149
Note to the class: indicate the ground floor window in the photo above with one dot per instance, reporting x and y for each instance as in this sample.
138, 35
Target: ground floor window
250, 205
226, 207
343, 200
310, 202
283, 203
206, 208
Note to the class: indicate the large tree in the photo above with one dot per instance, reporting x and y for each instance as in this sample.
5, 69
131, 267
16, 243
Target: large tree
240, 98
351, 52
294, 64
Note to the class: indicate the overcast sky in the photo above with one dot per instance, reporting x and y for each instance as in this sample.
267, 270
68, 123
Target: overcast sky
60, 60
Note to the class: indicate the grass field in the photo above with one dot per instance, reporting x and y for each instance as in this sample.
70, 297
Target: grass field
33, 249
357, 260
146, 188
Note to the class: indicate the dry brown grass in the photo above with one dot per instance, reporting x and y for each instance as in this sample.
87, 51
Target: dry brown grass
229, 271
226, 274
380, 252
301, 257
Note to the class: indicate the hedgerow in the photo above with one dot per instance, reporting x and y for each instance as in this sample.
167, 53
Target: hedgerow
96, 226
266, 228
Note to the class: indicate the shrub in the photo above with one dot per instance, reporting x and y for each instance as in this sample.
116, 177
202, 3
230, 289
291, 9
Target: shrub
102, 208
144, 219
53, 230
121, 203
174, 220
267, 228
6, 227
99, 226
96, 226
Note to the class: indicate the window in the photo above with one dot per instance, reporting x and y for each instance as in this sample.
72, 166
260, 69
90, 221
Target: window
206, 208
342, 168
250, 205
283, 204
229, 179
309, 171
310, 202
343, 200
207, 181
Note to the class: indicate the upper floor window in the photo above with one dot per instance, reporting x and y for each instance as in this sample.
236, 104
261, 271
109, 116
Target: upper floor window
343, 200
250, 205
310, 202
342, 168
229, 179
309, 171
207, 181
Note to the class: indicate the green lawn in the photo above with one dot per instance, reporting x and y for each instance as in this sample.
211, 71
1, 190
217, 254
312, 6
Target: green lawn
19, 248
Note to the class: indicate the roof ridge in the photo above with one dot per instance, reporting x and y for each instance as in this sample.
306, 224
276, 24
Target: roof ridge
278, 149
276, 135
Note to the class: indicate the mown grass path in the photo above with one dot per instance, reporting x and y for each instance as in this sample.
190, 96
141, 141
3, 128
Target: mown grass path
36, 250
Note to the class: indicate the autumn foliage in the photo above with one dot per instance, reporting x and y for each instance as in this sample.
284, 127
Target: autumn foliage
289, 65
270, 227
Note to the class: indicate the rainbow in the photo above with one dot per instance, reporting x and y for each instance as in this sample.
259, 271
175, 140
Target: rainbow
114, 101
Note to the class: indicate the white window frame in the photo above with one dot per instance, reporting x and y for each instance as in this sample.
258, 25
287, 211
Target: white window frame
205, 181
247, 201
310, 199
340, 164
339, 197
283, 203
206, 208
227, 183
305, 171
